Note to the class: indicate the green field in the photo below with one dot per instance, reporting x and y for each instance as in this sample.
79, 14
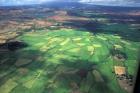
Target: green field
69, 47
66, 61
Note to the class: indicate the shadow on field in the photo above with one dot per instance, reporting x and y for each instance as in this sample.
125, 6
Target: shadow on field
19, 63
79, 76
95, 27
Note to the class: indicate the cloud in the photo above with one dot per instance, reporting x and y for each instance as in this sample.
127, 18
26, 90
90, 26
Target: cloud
103, 2
113, 2
21, 2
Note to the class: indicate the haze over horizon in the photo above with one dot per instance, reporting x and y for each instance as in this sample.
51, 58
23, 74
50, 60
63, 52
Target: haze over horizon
98, 2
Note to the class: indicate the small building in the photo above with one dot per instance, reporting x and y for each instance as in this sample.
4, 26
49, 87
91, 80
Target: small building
2, 41
119, 70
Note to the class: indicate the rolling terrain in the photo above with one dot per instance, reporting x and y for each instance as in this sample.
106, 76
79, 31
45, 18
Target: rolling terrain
74, 48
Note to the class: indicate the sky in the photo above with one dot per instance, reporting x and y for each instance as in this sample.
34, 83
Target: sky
114, 2
100, 2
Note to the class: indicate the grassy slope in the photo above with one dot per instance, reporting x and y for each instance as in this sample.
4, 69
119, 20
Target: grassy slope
66, 50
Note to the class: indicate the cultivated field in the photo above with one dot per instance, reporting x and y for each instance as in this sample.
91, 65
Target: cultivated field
69, 49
